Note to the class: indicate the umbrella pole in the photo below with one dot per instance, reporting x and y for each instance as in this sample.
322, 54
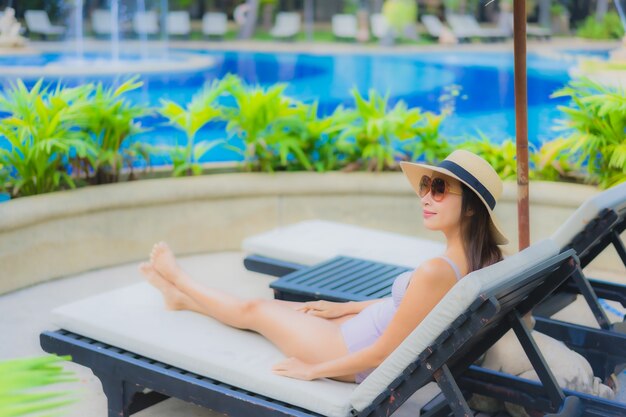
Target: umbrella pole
521, 121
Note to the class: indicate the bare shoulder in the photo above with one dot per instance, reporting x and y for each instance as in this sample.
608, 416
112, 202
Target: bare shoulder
435, 271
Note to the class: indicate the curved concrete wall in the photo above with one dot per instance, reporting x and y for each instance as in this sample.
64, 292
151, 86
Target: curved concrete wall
59, 234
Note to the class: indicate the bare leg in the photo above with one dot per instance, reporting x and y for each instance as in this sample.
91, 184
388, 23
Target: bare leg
304, 336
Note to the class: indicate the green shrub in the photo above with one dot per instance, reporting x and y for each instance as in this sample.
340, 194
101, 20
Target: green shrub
367, 139
609, 28
257, 118
596, 123
19, 378
502, 157
110, 120
44, 131
202, 109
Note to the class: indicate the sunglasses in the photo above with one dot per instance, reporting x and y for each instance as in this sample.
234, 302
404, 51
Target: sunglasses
438, 188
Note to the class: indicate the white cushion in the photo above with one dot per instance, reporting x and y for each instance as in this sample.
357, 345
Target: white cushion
315, 241
613, 198
133, 318
455, 302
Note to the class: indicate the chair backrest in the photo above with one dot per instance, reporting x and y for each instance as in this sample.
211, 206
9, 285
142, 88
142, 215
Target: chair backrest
508, 273
344, 25
146, 23
37, 20
101, 21
288, 20
433, 25
379, 24
178, 23
505, 21
614, 199
214, 23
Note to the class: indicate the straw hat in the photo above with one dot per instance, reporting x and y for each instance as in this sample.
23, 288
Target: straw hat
471, 170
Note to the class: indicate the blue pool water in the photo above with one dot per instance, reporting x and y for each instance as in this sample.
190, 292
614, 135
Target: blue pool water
486, 81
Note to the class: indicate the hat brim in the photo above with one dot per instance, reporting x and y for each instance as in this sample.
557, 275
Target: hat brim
414, 172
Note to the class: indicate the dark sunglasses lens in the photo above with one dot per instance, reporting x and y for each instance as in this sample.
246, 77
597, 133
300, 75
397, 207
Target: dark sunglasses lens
424, 185
438, 188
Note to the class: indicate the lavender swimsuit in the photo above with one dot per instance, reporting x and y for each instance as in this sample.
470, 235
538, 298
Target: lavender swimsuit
363, 329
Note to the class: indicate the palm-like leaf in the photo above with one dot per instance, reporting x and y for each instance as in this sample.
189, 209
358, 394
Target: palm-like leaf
18, 378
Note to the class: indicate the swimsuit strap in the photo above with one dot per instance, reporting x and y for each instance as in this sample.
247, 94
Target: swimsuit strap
457, 271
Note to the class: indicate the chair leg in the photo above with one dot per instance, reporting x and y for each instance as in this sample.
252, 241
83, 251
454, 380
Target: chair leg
554, 391
619, 246
451, 390
119, 394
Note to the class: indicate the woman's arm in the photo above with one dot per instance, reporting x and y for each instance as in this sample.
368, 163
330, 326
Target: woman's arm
428, 285
331, 309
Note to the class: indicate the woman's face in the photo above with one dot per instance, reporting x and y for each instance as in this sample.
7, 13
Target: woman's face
445, 214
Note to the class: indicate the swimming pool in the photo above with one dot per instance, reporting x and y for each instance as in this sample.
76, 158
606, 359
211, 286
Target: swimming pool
485, 79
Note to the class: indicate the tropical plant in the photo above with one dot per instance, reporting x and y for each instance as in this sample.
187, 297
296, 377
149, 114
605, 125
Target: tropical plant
202, 109
109, 119
400, 14
596, 123
551, 162
42, 133
18, 379
429, 145
368, 139
255, 118
609, 27
502, 157
311, 141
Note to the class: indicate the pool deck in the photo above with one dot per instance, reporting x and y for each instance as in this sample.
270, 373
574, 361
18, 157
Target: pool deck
555, 45
24, 314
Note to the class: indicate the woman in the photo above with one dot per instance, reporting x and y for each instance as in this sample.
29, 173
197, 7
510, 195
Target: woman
345, 341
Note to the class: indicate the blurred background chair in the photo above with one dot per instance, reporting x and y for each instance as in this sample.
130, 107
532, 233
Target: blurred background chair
214, 24
287, 25
38, 23
146, 23
178, 23
344, 26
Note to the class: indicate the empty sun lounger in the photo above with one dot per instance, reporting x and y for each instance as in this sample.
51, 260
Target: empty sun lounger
101, 22
433, 25
465, 27
344, 26
214, 24
505, 23
379, 26
38, 23
146, 23
287, 25
178, 23
144, 354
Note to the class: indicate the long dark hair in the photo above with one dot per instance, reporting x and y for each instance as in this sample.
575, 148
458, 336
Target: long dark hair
479, 242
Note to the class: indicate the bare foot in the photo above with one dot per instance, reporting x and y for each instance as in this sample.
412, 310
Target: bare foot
173, 297
163, 260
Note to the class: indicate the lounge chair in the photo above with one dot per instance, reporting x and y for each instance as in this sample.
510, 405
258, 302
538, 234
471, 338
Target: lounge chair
505, 23
38, 23
178, 23
146, 23
379, 26
101, 22
144, 354
433, 25
214, 24
465, 27
344, 26
287, 25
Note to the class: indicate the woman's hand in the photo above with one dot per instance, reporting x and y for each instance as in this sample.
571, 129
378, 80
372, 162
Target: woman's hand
294, 368
325, 309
